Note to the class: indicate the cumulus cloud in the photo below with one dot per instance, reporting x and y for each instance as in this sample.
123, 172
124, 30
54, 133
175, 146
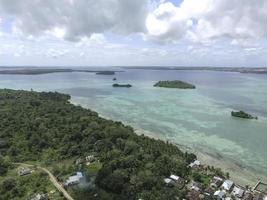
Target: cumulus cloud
72, 20
204, 20
195, 20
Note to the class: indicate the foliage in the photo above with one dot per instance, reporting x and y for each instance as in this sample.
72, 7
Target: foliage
242, 114
25, 186
46, 127
122, 85
4, 165
174, 84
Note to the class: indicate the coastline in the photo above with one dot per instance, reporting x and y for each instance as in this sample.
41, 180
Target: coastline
239, 174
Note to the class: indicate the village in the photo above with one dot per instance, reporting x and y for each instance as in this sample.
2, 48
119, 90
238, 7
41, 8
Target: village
216, 187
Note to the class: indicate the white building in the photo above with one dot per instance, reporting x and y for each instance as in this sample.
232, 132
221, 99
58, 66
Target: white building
196, 163
73, 180
219, 194
23, 171
238, 192
227, 185
174, 177
167, 180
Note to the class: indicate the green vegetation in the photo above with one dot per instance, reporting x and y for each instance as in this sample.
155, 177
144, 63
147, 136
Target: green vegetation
242, 114
45, 128
5, 164
105, 73
17, 188
174, 84
122, 85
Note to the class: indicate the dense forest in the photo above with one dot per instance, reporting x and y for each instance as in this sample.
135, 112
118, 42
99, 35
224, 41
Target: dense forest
47, 128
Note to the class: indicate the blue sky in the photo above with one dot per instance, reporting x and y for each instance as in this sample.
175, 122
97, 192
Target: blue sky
133, 33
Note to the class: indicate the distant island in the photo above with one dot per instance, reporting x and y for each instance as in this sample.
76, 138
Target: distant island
175, 84
105, 73
252, 70
39, 71
242, 114
122, 85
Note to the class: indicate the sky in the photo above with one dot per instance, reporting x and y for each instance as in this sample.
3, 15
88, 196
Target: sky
219, 33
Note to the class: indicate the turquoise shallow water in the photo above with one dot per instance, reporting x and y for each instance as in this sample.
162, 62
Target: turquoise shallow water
197, 118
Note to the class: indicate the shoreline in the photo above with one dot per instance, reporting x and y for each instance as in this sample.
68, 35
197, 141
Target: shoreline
239, 174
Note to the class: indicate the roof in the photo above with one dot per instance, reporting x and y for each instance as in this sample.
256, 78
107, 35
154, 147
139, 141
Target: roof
238, 191
217, 178
219, 193
73, 179
227, 184
167, 180
195, 163
79, 174
174, 177
23, 171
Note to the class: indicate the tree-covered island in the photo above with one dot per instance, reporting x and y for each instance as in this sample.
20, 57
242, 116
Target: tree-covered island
105, 73
122, 85
174, 84
242, 114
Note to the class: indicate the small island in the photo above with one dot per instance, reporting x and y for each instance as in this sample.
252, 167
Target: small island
122, 85
105, 73
174, 84
242, 114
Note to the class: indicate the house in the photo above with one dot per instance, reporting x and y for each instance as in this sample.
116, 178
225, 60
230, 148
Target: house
194, 164
73, 180
227, 185
168, 180
23, 171
174, 177
219, 194
228, 198
238, 192
248, 196
216, 181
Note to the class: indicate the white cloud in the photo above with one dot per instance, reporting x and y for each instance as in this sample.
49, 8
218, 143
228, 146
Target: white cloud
203, 20
76, 19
